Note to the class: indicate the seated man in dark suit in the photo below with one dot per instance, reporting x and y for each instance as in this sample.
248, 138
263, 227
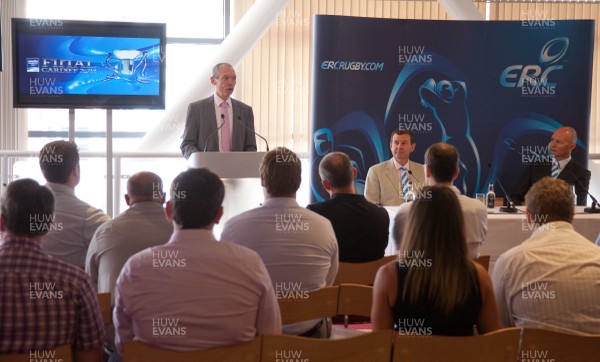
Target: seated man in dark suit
561, 145
361, 228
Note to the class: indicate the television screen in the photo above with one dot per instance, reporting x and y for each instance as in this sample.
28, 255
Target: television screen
85, 64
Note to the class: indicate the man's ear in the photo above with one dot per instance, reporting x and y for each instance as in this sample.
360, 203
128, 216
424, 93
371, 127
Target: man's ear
326, 185
169, 211
354, 173
427, 171
456, 174
219, 215
127, 200
529, 216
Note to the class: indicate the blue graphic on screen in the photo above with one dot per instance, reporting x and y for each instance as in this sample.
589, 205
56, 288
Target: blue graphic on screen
353, 126
447, 102
80, 65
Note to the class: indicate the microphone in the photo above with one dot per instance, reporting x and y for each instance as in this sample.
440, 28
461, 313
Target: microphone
415, 177
253, 131
215, 131
510, 208
589, 210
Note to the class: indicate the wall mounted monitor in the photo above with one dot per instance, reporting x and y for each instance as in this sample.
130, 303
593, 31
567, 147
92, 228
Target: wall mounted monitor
88, 64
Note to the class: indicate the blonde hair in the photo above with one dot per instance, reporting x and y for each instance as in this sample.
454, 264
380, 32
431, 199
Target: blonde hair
550, 199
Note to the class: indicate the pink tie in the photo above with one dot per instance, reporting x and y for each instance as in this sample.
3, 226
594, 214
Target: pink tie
225, 130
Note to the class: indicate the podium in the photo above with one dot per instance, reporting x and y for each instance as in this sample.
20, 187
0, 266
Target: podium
239, 171
228, 165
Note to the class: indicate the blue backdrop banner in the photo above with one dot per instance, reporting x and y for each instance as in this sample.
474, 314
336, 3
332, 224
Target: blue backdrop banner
494, 89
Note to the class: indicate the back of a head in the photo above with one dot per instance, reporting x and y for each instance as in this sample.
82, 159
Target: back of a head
336, 168
442, 158
27, 208
435, 236
145, 186
550, 199
281, 172
57, 160
196, 197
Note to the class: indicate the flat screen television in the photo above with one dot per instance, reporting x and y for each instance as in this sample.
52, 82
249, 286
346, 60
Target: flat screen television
88, 64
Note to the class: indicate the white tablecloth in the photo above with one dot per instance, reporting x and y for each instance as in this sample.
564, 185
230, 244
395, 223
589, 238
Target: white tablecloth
508, 230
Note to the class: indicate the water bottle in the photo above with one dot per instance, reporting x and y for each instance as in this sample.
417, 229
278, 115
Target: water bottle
491, 196
410, 195
574, 195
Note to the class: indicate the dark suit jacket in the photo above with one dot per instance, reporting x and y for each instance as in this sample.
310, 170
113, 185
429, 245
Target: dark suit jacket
571, 173
361, 228
201, 126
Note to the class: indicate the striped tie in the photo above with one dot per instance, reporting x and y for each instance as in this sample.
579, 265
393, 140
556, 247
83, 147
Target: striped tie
555, 168
404, 180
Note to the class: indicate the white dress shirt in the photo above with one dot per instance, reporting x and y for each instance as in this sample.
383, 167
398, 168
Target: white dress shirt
475, 217
298, 247
194, 293
551, 280
74, 225
141, 226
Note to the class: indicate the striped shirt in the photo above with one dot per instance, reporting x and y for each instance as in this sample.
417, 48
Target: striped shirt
45, 302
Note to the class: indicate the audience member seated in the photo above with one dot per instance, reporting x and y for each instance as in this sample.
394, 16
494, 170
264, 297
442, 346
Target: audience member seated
44, 301
551, 279
141, 226
75, 221
387, 182
298, 246
434, 288
562, 143
361, 228
441, 168
194, 292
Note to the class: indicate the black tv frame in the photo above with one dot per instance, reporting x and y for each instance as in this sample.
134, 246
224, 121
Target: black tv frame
89, 28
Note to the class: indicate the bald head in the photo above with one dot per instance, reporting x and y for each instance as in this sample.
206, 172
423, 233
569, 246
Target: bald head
568, 132
144, 186
442, 160
563, 142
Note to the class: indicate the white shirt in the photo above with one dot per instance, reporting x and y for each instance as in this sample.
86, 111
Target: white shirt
475, 217
298, 247
562, 164
74, 225
194, 293
141, 226
551, 280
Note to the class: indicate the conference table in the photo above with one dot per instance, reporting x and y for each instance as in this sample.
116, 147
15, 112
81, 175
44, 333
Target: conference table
509, 230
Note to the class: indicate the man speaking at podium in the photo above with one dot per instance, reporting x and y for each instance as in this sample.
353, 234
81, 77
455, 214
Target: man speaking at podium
219, 123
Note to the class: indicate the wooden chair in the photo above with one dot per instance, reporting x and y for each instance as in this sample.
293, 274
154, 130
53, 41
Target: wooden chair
498, 346
141, 352
61, 353
320, 303
361, 273
354, 299
484, 261
104, 300
547, 345
373, 347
